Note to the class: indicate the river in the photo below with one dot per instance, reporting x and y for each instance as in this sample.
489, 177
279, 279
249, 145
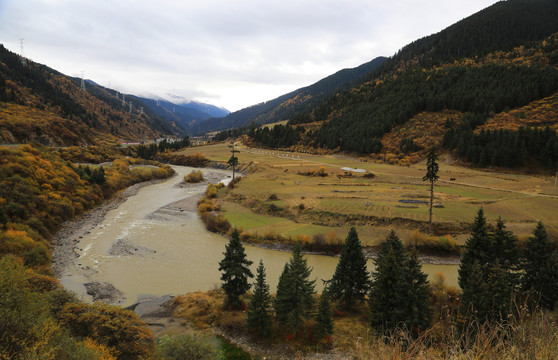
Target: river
165, 249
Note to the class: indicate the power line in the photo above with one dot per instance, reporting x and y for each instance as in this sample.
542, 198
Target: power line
23, 59
82, 85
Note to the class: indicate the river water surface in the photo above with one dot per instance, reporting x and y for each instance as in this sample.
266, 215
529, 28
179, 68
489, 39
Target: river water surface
171, 252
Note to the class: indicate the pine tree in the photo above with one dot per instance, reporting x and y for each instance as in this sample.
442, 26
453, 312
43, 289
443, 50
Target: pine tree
477, 248
294, 301
324, 321
500, 292
416, 312
282, 298
236, 271
386, 294
432, 176
350, 281
474, 299
3, 218
258, 313
506, 252
540, 268
488, 271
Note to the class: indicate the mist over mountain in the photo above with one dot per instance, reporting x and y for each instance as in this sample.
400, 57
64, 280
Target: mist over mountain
185, 113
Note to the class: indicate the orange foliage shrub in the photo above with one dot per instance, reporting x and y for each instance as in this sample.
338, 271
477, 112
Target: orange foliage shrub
111, 326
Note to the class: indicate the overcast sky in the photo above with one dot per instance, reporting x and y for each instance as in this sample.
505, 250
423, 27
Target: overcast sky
230, 53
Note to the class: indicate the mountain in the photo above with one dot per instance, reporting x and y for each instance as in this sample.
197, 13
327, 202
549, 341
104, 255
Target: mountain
39, 104
296, 102
187, 114
483, 88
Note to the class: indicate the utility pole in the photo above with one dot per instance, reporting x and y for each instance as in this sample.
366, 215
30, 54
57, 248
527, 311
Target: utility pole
233, 161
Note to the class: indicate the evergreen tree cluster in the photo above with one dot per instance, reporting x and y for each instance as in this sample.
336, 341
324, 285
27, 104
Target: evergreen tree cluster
399, 296
148, 152
358, 119
506, 148
493, 271
502, 26
93, 176
408, 145
229, 134
278, 136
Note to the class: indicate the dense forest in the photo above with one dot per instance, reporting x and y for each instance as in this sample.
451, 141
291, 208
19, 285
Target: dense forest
505, 148
374, 111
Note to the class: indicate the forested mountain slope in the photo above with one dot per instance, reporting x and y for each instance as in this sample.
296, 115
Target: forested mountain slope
42, 105
297, 102
470, 68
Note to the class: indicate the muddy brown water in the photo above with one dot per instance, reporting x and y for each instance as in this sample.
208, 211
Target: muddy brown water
162, 250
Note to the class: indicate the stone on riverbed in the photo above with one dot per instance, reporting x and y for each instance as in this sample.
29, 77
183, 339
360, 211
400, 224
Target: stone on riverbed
104, 292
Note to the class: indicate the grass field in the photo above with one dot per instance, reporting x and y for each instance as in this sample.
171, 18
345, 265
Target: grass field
396, 195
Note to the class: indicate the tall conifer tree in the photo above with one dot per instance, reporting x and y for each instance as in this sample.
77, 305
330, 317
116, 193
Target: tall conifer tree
236, 271
386, 294
258, 313
478, 248
540, 266
294, 301
350, 281
416, 312
432, 168
324, 321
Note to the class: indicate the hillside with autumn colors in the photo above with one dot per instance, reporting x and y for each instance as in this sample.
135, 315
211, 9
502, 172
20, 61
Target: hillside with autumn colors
39, 104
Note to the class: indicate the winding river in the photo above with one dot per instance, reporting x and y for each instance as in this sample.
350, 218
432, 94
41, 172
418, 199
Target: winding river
154, 244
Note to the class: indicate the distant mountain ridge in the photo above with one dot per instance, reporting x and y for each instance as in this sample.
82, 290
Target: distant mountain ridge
40, 104
298, 101
187, 114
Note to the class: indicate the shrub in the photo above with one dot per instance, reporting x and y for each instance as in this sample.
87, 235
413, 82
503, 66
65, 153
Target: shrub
211, 191
215, 223
205, 207
119, 329
194, 177
184, 347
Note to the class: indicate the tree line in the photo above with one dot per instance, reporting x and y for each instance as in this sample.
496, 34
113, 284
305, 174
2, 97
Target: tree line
494, 274
506, 148
148, 152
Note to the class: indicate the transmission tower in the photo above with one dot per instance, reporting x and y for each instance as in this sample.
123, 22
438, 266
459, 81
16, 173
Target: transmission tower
130, 107
82, 86
23, 59
141, 110
123, 99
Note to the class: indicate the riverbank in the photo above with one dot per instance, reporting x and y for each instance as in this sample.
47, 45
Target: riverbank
68, 250
64, 248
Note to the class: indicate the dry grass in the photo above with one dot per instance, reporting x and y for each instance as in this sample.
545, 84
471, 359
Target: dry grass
305, 199
530, 336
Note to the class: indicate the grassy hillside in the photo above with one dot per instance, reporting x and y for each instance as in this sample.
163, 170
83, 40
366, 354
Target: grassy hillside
284, 194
